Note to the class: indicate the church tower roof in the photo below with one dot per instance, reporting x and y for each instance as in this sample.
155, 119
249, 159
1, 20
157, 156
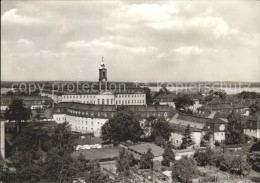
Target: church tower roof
102, 64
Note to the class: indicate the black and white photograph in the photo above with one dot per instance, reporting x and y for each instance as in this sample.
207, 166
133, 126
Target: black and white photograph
130, 91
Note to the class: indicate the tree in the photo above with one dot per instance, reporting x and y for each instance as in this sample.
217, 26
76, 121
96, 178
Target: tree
146, 160
247, 95
96, 176
59, 166
208, 98
149, 98
160, 128
184, 169
160, 141
162, 91
186, 140
122, 127
234, 130
239, 166
18, 112
61, 136
168, 155
10, 93
183, 102
254, 108
205, 158
124, 162
254, 156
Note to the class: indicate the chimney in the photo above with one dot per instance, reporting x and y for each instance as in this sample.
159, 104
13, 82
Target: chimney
211, 141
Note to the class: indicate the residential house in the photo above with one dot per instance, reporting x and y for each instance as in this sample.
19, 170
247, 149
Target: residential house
253, 126
140, 149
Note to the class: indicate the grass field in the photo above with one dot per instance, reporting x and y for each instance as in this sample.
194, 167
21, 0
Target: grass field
95, 154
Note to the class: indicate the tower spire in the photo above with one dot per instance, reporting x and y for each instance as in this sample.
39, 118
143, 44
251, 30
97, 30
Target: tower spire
102, 71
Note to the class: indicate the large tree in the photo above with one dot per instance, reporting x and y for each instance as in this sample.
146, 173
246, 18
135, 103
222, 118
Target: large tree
247, 95
146, 161
254, 156
234, 130
162, 91
18, 112
183, 103
186, 140
184, 169
149, 98
123, 126
254, 108
124, 162
158, 127
168, 155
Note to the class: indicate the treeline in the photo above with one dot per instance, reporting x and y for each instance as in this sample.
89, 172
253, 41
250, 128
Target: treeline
39, 155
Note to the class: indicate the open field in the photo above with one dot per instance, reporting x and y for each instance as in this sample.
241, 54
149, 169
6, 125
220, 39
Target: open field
95, 154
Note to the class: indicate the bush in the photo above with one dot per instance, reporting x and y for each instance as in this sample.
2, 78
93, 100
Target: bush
217, 143
184, 169
160, 141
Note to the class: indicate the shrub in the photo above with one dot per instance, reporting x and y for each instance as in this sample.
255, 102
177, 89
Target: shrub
217, 143
184, 169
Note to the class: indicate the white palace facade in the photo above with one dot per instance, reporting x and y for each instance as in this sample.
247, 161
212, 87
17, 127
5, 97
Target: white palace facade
87, 112
121, 96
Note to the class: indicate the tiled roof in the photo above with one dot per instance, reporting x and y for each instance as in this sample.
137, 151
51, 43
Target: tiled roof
107, 111
93, 107
166, 96
222, 115
253, 122
221, 106
180, 128
192, 118
6, 100
142, 149
216, 121
89, 141
211, 127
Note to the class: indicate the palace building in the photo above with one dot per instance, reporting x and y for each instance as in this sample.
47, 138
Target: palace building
87, 112
89, 118
103, 94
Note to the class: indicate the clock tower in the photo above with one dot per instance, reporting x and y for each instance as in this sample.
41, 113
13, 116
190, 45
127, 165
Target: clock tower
102, 72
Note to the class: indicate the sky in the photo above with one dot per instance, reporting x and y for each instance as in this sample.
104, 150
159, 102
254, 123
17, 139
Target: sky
140, 41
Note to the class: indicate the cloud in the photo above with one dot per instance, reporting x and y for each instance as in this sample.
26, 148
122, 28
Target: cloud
153, 12
14, 16
118, 27
215, 27
21, 42
173, 37
186, 53
105, 45
24, 42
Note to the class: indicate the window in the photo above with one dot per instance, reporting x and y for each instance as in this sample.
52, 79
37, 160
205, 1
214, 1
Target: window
107, 101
